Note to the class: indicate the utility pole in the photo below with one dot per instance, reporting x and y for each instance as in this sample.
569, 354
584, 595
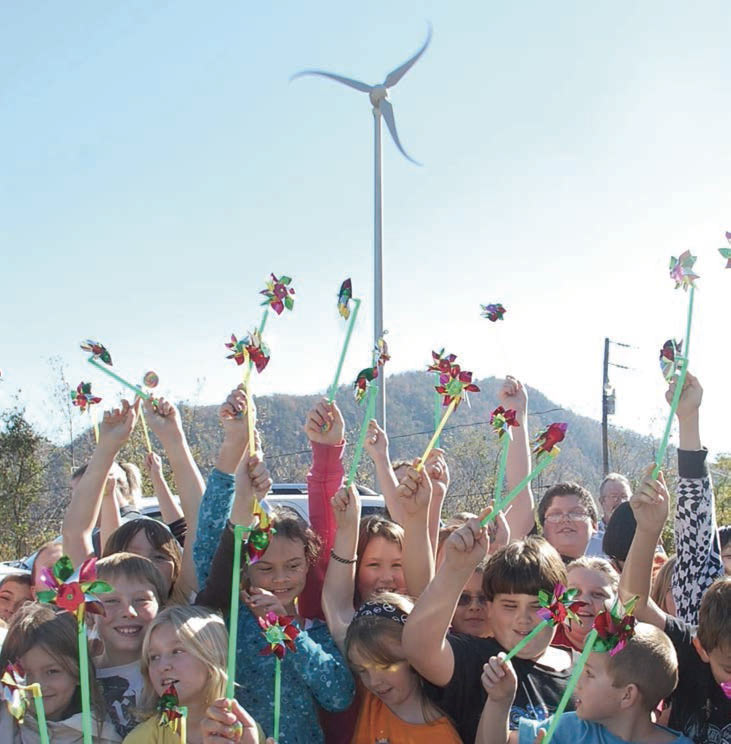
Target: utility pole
608, 400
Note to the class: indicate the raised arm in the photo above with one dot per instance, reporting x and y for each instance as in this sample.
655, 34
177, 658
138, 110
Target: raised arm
376, 445
650, 508
170, 511
425, 633
520, 516
438, 472
324, 428
501, 684
83, 510
697, 545
339, 587
414, 495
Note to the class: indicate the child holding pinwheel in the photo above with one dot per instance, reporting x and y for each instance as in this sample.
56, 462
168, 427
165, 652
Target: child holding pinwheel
184, 670
42, 647
278, 559
632, 668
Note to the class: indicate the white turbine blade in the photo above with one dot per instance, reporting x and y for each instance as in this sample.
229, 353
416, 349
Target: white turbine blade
393, 77
338, 78
387, 111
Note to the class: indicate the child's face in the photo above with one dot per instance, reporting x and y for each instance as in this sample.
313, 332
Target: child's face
570, 535
141, 545
596, 697
471, 613
719, 660
512, 617
170, 662
596, 590
57, 685
282, 570
129, 610
726, 555
394, 683
380, 569
12, 596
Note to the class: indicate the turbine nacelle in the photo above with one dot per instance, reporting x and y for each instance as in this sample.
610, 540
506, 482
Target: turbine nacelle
378, 93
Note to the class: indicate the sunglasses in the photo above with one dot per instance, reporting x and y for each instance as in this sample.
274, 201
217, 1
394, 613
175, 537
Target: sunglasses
466, 599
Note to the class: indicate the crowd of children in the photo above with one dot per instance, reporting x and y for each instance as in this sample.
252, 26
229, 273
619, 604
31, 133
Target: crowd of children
401, 621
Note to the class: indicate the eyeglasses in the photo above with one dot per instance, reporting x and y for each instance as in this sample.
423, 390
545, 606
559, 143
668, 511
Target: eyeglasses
466, 599
572, 516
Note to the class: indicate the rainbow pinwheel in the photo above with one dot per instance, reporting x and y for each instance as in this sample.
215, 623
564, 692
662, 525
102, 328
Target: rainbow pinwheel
560, 606
547, 440
493, 312
614, 630
344, 297
250, 348
278, 294
15, 691
170, 711
726, 253
83, 398
670, 358
73, 591
98, 350
681, 270
259, 537
280, 632
501, 421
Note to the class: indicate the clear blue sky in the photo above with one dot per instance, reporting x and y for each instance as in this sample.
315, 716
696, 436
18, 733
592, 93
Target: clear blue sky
157, 165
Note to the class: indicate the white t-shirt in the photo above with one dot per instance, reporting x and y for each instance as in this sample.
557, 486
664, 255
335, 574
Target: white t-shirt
122, 688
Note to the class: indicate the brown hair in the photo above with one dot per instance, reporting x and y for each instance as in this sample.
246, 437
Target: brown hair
649, 662
160, 538
37, 624
714, 616
594, 563
568, 489
523, 567
662, 583
20, 578
135, 567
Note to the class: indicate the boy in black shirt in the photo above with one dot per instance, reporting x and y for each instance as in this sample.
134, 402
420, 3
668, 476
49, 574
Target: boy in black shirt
701, 704
453, 663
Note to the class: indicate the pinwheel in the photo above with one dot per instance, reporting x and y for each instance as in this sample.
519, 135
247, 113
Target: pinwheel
173, 715
15, 693
251, 348
83, 398
501, 421
280, 633
493, 312
726, 253
75, 591
98, 350
558, 608
361, 382
546, 452
681, 270
441, 363
278, 294
671, 358
260, 536
344, 297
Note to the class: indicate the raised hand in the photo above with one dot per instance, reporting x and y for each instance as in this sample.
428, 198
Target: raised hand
346, 508
164, 420
467, 546
117, 425
324, 423
233, 418
438, 472
650, 502
690, 398
499, 680
376, 442
499, 532
514, 395
227, 720
414, 493
153, 465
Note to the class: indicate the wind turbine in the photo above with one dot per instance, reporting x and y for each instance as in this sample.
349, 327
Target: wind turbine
382, 108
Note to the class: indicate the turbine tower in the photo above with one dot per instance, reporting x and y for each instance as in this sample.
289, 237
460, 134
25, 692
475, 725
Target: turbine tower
382, 108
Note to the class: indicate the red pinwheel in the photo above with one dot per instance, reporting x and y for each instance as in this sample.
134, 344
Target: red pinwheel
560, 606
259, 537
280, 632
169, 709
670, 355
501, 421
547, 440
98, 350
455, 385
83, 398
440, 362
361, 382
252, 347
15, 691
278, 294
493, 312
73, 591
613, 629
681, 270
